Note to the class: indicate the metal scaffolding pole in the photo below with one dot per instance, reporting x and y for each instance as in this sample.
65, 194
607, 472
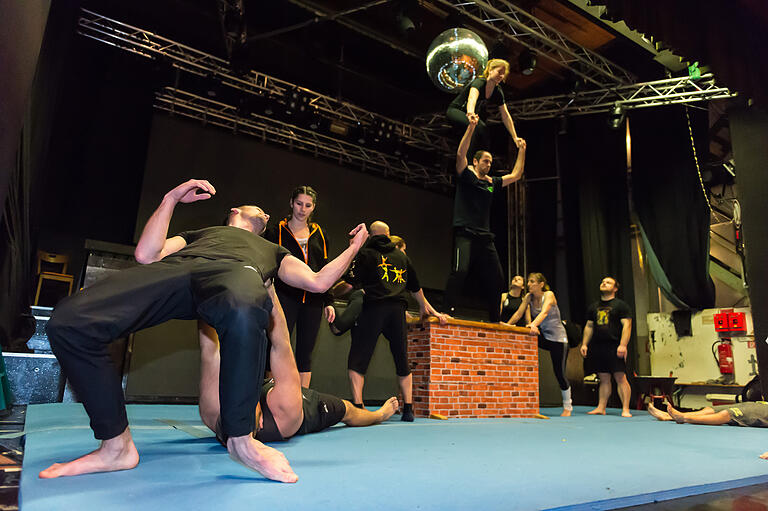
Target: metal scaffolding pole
639, 95
267, 129
153, 46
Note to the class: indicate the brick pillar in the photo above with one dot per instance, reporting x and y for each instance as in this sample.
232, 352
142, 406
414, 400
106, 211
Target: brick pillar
473, 369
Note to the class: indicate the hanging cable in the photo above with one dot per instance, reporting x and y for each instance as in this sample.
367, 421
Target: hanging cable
696, 159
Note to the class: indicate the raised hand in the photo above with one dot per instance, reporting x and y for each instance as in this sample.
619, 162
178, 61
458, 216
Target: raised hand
192, 191
359, 235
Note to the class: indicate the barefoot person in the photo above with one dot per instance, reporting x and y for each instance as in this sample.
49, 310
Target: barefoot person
286, 408
605, 339
217, 274
749, 414
541, 304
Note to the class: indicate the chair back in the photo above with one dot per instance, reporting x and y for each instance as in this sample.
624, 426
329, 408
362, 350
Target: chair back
51, 260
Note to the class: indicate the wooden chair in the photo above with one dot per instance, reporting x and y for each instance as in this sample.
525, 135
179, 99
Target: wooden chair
52, 260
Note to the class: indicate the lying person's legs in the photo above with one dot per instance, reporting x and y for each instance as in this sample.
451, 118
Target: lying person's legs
706, 416
665, 416
355, 416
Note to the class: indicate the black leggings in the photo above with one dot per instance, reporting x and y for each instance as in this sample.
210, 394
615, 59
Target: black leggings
228, 295
383, 317
481, 138
479, 254
306, 318
558, 352
348, 318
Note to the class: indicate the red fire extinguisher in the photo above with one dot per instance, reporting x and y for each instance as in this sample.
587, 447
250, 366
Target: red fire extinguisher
724, 356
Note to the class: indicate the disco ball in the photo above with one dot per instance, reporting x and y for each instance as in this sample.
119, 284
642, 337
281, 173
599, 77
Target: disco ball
455, 58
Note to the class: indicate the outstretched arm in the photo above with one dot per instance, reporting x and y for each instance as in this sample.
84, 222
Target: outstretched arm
509, 123
426, 309
295, 273
153, 245
461, 152
517, 171
285, 397
547, 302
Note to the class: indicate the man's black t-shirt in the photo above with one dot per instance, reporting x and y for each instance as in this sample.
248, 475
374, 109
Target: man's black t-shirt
482, 105
472, 204
606, 316
383, 271
225, 243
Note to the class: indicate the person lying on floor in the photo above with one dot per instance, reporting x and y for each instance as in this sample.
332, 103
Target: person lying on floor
751, 413
286, 408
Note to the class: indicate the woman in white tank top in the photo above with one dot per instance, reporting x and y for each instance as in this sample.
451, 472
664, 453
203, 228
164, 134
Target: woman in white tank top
543, 318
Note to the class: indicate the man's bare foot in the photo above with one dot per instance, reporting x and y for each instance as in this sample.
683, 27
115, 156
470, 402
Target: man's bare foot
566, 413
118, 453
389, 408
655, 412
676, 415
764, 455
625, 413
597, 411
265, 460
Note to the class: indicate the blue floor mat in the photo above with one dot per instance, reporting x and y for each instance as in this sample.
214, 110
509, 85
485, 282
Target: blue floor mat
580, 462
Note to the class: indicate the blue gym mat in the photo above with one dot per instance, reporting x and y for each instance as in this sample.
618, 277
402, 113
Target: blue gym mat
580, 462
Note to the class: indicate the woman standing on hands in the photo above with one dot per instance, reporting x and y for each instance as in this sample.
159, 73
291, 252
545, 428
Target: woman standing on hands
548, 325
306, 241
476, 98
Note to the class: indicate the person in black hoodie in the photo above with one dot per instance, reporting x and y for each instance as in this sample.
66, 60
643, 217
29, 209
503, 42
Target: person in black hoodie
384, 272
306, 241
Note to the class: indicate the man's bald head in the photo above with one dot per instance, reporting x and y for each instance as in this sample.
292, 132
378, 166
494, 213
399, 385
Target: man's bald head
378, 227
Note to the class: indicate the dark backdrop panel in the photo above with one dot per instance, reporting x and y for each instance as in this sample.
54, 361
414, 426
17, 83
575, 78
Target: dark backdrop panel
749, 133
245, 171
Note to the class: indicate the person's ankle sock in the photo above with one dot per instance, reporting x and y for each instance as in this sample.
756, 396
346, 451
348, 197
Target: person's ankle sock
359, 405
407, 412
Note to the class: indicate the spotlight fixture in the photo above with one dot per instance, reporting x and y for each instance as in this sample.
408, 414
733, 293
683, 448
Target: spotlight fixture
339, 128
526, 62
616, 116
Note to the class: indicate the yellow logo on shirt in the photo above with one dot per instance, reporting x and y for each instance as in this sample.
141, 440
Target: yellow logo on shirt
387, 267
603, 316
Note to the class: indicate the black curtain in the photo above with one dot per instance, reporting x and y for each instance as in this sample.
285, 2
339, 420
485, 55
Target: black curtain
22, 26
598, 224
727, 36
670, 203
749, 134
541, 199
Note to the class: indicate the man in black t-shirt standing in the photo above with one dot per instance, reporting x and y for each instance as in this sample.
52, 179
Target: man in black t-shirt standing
473, 247
220, 275
606, 336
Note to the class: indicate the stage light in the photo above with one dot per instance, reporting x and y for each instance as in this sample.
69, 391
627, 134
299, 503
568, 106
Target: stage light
339, 128
526, 62
616, 117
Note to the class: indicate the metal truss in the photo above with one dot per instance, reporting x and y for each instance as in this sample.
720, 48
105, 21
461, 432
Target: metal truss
216, 113
639, 95
153, 46
512, 22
